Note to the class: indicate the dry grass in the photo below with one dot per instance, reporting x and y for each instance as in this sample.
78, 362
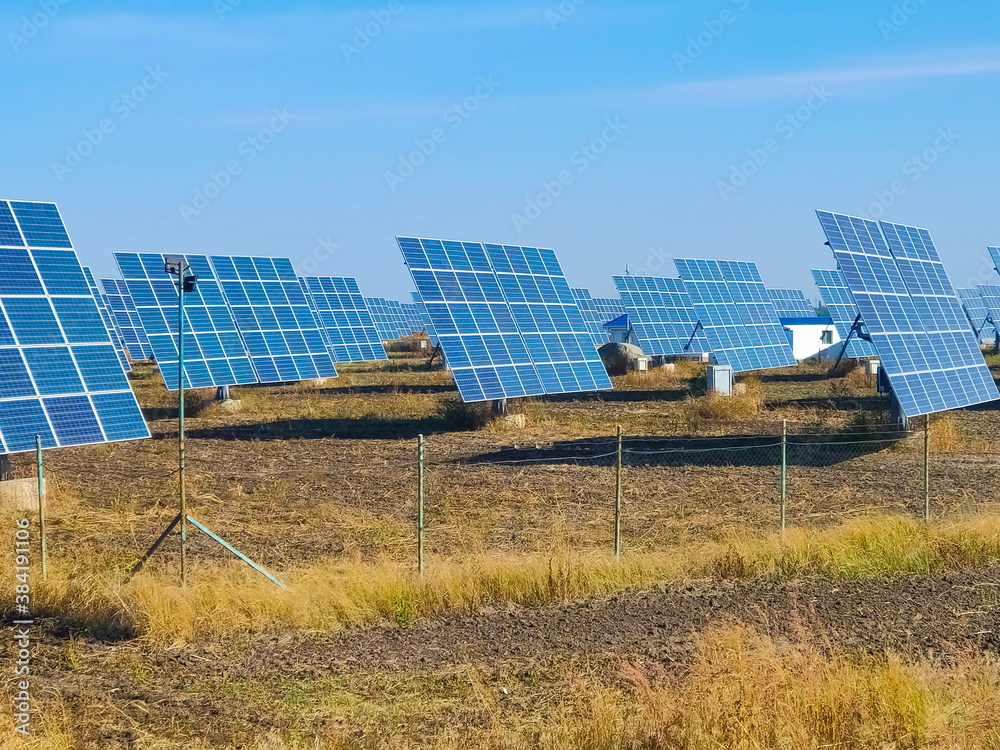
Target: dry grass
335, 593
715, 407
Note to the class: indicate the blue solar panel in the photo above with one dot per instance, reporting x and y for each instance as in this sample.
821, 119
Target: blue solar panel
840, 304
126, 318
108, 322
505, 319
740, 322
344, 318
989, 297
213, 352
428, 324
978, 312
387, 322
661, 315
590, 316
58, 366
995, 255
912, 313
791, 303
274, 318
414, 321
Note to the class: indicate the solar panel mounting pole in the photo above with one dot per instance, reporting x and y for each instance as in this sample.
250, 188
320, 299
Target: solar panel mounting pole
927, 468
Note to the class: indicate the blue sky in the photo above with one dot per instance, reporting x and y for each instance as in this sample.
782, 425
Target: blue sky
627, 132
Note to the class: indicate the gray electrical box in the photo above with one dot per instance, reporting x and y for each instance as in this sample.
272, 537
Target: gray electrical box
720, 379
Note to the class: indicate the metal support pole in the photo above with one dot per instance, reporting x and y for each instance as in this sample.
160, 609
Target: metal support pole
41, 504
784, 468
180, 413
420, 503
618, 499
927, 468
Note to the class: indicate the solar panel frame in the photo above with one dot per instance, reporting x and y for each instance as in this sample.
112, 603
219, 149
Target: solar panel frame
505, 318
60, 376
661, 314
344, 318
736, 313
912, 313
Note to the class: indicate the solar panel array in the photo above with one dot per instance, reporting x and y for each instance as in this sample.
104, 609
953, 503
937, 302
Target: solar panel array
126, 318
387, 322
214, 354
428, 324
591, 316
608, 308
274, 319
995, 255
740, 322
108, 321
912, 313
413, 318
840, 304
978, 312
791, 303
505, 318
989, 295
344, 318
60, 377
661, 315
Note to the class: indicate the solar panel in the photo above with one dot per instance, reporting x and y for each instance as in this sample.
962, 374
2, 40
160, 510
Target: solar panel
428, 325
590, 316
126, 318
915, 320
995, 255
214, 355
344, 318
414, 321
989, 296
979, 312
740, 322
840, 304
505, 319
791, 303
608, 308
385, 321
661, 314
396, 311
60, 377
108, 322
273, 318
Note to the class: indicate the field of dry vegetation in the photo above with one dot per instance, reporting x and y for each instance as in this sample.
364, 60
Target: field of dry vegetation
858, 626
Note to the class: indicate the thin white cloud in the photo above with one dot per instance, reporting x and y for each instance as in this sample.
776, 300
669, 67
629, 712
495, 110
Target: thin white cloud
796, 83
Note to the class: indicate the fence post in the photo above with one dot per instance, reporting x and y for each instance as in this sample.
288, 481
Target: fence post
618, 499
41, 504
927, 468
420, 504
784, 468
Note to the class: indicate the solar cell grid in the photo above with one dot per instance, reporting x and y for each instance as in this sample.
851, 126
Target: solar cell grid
108, 322
912, 313
344, 318
740, 322
791, 303
505, 319
273, 317
979, 314
126, 318
60, 377
661, 315
214, 355
840, 304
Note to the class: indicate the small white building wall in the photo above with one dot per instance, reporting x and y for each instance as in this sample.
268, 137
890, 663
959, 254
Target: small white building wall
806, 340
